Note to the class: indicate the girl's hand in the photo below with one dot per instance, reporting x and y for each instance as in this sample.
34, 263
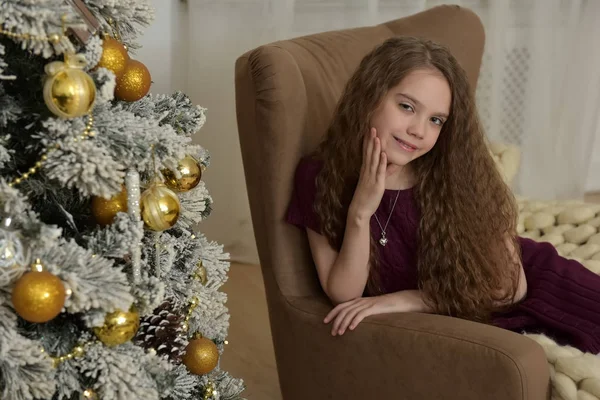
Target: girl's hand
371, 181
349, 314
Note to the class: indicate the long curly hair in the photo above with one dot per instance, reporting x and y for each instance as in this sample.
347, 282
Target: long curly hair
468, 213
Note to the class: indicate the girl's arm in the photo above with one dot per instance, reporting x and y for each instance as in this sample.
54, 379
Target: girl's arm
349, 314
343, 275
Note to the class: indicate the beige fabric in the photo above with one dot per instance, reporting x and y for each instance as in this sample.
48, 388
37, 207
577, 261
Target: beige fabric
575, 375
507, 158
573, 227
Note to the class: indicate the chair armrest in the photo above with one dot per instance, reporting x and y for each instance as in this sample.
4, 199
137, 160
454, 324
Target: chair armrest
416, 356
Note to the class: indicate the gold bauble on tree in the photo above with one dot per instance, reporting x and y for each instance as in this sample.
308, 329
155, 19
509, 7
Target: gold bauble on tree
159, 207
105, 210
114, 56
38, 296
201, 356
119, 327
190, 172
134, 83
69, 92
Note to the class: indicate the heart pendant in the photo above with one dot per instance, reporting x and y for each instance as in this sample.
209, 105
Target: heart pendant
383, 241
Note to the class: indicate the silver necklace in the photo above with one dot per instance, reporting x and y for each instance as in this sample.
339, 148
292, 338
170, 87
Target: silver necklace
383, 240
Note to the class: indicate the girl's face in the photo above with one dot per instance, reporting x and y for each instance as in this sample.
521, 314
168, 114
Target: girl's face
411, 115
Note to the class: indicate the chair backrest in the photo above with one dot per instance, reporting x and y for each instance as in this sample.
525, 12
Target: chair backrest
286, 92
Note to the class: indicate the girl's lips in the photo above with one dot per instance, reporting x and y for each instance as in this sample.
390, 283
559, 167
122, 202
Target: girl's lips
406, 146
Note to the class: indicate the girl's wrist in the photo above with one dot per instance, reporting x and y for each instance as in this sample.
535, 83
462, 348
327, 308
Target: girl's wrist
357, 217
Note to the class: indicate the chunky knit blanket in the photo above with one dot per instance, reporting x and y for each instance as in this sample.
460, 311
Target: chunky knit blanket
573, 227
574, 375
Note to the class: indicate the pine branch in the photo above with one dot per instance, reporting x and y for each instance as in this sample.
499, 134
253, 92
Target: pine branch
149, 292
95, 281
229, 388
86, 166
68, 384
129, 16
211, 317
3, 64
40, 18
116, 239
124, 372
176, 110
215, 261
10, 111
195, 206
25, 372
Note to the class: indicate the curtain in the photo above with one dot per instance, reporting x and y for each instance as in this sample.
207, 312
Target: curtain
539, 86
539, 89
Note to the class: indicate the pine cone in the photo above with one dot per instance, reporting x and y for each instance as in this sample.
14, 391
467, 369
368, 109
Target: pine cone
161, 331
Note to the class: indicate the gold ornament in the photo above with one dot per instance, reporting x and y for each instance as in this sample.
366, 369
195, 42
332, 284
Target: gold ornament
134, 83
200, 273
201, 356
114, 56
69, 91
105, 210
190, 171
119, 327
159, 207
38, 296
89, 394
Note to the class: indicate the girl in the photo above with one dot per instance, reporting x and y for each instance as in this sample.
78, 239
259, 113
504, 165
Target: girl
405, 210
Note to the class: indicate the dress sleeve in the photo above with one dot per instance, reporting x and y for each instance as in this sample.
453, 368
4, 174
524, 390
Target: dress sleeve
301, 211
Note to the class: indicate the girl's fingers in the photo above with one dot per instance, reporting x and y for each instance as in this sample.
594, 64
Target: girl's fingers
350, 317
364, 149
382, 166
375, 156
368, 150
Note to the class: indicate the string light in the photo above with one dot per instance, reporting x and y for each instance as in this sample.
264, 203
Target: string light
186, 323
77, 351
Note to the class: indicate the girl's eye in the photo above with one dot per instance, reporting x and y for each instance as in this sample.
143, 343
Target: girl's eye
437, 121
406, 107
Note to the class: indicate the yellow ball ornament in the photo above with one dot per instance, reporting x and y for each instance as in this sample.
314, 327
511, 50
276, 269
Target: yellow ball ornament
201, 356
134, 83
69, 92
119, 327
159, 207
105, 210
191, 174
114, 56
38, 296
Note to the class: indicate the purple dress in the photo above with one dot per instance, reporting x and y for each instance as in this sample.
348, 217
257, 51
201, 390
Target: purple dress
563, 298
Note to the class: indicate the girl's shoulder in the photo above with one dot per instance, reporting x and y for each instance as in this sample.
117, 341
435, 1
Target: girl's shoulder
306, 171
301, 207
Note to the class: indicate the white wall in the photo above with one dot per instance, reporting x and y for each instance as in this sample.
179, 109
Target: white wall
593, 179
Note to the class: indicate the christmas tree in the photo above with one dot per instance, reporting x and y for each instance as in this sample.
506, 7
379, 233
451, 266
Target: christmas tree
106, 290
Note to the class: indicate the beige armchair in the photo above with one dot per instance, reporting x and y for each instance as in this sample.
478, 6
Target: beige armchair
285, 95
